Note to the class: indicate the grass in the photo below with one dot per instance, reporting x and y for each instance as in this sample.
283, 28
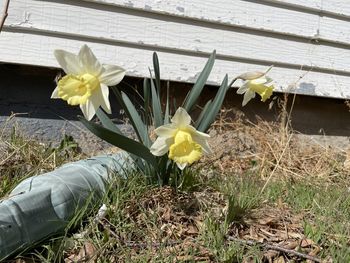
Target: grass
21, 158
266, 188
142, 221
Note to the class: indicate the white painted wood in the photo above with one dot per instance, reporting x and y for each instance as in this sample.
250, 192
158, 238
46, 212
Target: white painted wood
337, 7
281, 18
330, 28
341, 7
236, 13
38, 50
314, 4
131, 28
247, 34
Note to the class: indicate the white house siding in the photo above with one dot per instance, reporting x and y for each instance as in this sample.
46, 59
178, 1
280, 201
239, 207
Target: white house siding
307, 41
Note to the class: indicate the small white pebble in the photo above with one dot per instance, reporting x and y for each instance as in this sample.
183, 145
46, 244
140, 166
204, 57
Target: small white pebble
101, 213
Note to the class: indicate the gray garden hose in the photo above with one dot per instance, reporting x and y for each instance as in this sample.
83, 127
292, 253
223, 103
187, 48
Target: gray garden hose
43, 205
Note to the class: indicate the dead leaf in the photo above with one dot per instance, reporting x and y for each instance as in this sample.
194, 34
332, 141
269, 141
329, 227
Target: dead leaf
347, 160
270, 255
291, 244
266, 220
87, 252
167, 214
315, 251
295, 235
307, 243
280, 259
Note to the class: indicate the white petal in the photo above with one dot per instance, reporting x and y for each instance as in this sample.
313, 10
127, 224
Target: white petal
89, 61
181, 118
193, 131
112, 75
181, 165
200, 138
202, 141
161, 146
97, 99
242, 89
258, 81
54, 94
68, 61
202, 134
247, 97
88, 110
105, 93
167, 130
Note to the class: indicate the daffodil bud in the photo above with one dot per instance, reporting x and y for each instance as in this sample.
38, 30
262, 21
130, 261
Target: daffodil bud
255, 82
251, 75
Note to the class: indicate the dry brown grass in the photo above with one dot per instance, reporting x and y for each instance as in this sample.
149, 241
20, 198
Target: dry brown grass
271, 149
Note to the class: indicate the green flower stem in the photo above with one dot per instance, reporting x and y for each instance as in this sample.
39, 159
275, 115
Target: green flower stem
231, 83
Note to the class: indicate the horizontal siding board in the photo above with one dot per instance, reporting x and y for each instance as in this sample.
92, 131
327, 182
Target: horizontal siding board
235, 13
339, 8
247, 34
265, 15
153, 31
314, 4
38, 50
338, 31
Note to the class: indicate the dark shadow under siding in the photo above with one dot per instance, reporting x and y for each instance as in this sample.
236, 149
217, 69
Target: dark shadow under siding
26, 91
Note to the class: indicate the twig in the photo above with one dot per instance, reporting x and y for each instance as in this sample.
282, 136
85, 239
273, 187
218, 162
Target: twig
4, 14
144, 245
276, 248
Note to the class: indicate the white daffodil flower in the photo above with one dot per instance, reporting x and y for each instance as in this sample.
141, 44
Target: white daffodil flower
86, 83
255, 82
183, 142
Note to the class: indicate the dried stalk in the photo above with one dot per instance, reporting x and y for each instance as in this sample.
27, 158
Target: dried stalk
276, 248
4, 14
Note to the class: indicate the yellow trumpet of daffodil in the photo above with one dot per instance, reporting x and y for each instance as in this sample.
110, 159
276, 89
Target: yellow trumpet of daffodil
255, 82
87, 80
183, 142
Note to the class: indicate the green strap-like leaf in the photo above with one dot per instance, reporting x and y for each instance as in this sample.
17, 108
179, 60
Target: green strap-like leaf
156, 72
193, 95
107, 122
174, 103
146, 97
141, 128
156, 107
203, 113
121, 141
127, 111
167, 106
215, 106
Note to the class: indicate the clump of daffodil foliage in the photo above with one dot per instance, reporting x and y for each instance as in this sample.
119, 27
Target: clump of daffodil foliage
180, 141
